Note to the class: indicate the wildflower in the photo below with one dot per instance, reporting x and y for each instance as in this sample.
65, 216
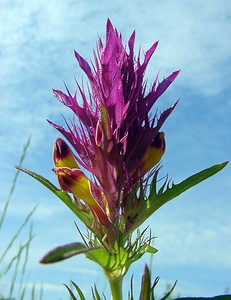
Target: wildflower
117, 139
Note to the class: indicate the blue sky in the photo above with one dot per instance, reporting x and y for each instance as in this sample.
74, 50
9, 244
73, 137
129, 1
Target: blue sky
37, 39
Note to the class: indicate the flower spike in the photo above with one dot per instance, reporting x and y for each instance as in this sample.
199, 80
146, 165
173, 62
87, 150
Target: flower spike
116, 140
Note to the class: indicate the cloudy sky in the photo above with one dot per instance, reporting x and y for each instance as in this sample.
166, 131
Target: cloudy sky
37, 39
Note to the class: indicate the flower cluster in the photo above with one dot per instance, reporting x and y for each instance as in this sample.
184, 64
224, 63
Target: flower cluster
117, 139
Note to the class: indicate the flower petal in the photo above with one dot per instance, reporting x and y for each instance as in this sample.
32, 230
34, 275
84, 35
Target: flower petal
74, 181
62, 155
154, 153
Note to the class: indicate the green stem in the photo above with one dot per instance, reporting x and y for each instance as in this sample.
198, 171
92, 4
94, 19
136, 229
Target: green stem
116, 287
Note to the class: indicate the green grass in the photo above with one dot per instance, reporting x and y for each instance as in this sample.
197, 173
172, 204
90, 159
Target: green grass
14, 255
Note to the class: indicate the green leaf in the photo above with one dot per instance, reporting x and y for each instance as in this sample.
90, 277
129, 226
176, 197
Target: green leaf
108, 261
177, 189
167, 193
66, 199
63, 252
71, 293
95, 293
130, 293
169, 292
150, 249
146, 285
156, 281
78, 291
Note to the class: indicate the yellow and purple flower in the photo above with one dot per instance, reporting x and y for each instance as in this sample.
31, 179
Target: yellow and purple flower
117, 140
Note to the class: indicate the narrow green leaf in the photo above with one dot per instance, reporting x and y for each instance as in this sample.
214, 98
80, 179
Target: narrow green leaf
144, 249
16, 235
186, 184
63, 252
146, 285
71, 293
78, 290
13, 186
151, 249
66, 199
130, 294
155, 201
95, 293
40, 178
169, 292
66, 251
157, 279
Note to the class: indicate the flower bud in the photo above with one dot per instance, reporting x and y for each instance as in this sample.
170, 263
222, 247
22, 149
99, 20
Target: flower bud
154, 153
63, 156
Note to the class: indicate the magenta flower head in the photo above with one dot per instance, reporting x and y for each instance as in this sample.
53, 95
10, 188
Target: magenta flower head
117, 138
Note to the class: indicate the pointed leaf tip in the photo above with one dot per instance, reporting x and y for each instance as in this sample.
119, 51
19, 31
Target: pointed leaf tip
70, 293
63, 252
78, 290
145, 285
223, 164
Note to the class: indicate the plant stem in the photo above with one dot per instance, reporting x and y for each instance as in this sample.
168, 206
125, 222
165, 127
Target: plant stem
116, 287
